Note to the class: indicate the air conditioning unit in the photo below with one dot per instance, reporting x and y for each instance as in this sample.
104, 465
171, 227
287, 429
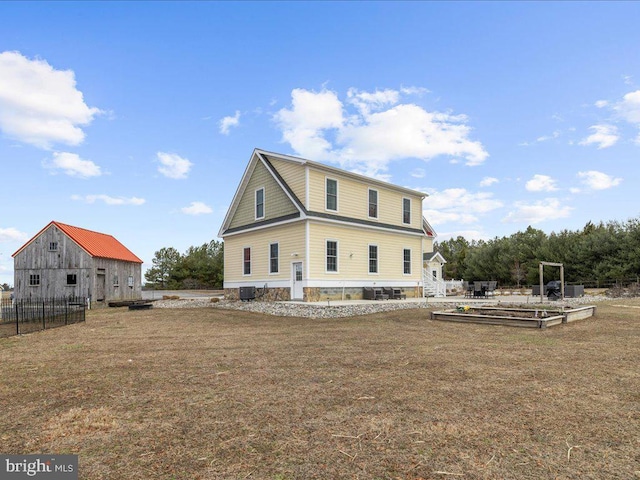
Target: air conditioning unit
247, 293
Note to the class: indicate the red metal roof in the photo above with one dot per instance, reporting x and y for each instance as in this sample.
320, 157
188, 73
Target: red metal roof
94, 243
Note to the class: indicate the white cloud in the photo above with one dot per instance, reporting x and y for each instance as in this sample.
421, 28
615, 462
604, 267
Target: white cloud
40, 105
12, 235
109, 200
418, 173
377, 130
541, 183
173, 166
602, 103
74, 166
196, 208
604, 136
227, 122
488, 181
598, 181
458, 205
543, 210
629, 107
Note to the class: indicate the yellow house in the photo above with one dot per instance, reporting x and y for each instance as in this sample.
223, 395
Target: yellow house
301, 230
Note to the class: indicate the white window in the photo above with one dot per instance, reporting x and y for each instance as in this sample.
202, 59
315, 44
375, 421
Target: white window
130, 281
373, 259
259, 203
406, 260
331, 188
246, 260
406, 210
274, 258
332, 256
373, 203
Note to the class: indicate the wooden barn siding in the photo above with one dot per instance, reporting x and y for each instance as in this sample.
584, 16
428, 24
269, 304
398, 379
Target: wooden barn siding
276, 202
353, 199
123, 270
54, 266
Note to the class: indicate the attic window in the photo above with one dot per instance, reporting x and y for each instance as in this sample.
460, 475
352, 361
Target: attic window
53, 246
259, 203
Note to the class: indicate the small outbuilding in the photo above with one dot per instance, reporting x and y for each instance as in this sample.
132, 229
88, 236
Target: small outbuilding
66, 261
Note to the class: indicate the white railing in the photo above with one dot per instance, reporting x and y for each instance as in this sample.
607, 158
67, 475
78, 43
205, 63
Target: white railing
432, 286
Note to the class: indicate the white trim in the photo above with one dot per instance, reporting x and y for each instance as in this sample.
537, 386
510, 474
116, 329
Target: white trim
365, 227
402, 210
337, 270
269, 258
255, 203
377, 272
262, 227
326, 179
369, 190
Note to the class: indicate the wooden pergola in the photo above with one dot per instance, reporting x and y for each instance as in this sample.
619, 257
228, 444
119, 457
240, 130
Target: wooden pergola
551, 264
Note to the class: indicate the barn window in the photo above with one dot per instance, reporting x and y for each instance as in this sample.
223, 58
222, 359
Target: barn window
130, 281
72, 279
115, 281
34, 280
53, 246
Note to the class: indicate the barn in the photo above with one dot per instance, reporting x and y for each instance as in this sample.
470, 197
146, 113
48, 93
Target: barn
66, 261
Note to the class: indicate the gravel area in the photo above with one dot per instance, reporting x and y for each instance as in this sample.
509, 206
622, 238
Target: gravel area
285, 309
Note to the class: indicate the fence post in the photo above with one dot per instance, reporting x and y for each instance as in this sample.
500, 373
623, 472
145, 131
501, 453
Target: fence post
44, 325
17, 322
66, 308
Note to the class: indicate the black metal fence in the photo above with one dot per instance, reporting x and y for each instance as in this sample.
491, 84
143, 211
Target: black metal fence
32, 314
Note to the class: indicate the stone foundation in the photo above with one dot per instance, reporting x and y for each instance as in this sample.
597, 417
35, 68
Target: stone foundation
270, 295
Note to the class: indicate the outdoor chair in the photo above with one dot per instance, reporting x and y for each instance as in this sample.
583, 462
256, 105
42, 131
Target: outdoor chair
394, 293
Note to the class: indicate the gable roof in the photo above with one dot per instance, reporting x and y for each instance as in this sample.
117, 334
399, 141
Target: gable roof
96, 244
263, 156
436, 257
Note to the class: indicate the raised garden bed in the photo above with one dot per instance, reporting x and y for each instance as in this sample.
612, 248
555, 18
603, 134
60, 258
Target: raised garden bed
514, 317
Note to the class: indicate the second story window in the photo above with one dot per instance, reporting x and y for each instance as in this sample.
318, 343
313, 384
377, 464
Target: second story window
332, 194
406, 210
53, 246
373, 204
246, 261
259, 203
72, 279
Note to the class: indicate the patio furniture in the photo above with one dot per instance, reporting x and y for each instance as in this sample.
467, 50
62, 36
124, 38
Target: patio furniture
374, 293
394, 293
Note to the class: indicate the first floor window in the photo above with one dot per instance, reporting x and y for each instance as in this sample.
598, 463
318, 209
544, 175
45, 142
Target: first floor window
332, 256
273, 258
407, 261
72, 279
130, 281
247, 261
34, 280
115, 281
373, 259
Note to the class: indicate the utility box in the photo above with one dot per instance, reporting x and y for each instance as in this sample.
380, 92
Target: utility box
247, 293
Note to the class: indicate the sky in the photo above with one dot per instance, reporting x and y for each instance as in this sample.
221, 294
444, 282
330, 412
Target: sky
137, 119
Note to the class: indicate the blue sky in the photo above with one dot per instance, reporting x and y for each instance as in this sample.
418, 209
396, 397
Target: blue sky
138, 119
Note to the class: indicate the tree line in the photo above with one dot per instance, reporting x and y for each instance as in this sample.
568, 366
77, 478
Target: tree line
598, 255
198, 268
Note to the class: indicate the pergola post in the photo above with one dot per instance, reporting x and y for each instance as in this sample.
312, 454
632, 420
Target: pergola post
551, 264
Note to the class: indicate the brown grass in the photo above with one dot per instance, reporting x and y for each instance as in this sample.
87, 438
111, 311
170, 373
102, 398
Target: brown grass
214, 394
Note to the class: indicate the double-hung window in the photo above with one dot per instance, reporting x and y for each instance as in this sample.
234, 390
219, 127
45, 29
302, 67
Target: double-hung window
332, 256
373, 259
406, 261
259, 203
331, 187
406, 210
274, 262
373, 203
246, 261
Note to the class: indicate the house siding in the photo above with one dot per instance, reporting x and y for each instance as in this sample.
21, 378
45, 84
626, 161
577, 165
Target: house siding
293, 174
353, 199
291, 240
276, 202
356, 241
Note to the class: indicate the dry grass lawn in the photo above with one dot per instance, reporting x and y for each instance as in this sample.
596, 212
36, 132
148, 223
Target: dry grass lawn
214, 394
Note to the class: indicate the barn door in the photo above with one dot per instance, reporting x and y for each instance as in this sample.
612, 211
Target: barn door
101, 282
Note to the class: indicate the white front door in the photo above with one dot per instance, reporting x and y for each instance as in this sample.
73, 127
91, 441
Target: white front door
296, 281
